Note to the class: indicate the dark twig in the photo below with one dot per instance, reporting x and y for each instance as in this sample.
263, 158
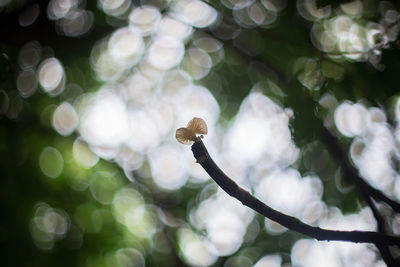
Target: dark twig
351, 173
229, 186
364, 188
383, 249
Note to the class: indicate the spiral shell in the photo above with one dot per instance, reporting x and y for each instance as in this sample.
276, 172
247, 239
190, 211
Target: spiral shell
185, 136
197, 125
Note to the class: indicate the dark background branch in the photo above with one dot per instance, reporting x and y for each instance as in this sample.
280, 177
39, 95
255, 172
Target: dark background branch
351, 172
366, 191
384, 250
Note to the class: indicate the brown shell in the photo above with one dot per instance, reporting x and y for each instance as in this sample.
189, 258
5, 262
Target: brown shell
197, 125
185, 136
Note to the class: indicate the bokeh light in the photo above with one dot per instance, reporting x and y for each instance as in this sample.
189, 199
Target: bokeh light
125, 47
48, 225
195, 13
373, 144
168, 167
71, 18
225, 221
26, 83
165, 52
261, 130
130, 210
83, 154
51, 162
126, 257
197, 63
173, 28
351, 119
194, 248
138, 114
103, 187
58, 9
344, 35
51, 76
29, 16
114, 7
144, 19
286, 191
104, 122
29, 55
88, 218
306, 252
269, 261
65, 119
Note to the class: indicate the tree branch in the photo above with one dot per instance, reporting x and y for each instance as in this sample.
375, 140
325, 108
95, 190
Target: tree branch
351, 172
229, 186
383, 249
363, 187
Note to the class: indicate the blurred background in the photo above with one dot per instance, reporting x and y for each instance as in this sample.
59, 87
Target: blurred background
91, 93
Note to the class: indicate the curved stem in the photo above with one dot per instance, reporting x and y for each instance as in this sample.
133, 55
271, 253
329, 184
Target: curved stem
229, 186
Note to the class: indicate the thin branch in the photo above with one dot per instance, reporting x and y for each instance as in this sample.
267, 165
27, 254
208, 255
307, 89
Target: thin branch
383, 249
351, 172
229, 186
364, 188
